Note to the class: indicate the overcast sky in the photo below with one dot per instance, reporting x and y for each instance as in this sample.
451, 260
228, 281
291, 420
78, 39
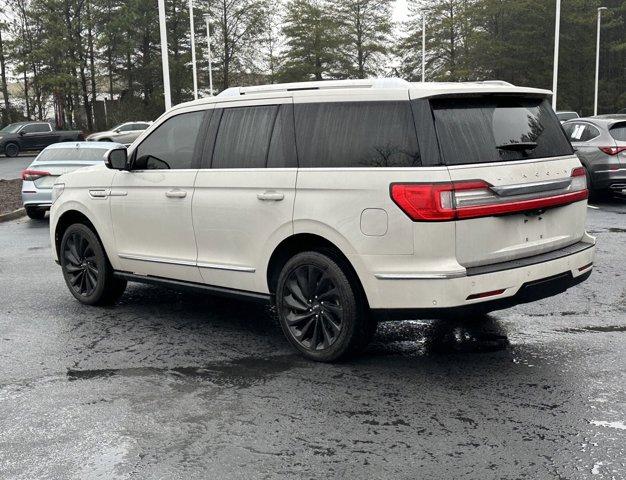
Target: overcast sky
400, 11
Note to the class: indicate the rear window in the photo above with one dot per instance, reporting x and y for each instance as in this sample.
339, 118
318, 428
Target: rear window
356, 134
72, 155
618, 131
497, 129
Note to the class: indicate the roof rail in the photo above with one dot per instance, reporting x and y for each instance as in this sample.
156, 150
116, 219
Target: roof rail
494, 82
391, 82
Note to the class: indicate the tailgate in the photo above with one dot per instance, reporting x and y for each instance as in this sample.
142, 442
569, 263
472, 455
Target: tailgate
500, 238
518, 188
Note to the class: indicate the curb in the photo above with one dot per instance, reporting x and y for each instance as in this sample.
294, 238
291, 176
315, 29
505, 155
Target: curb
20, 212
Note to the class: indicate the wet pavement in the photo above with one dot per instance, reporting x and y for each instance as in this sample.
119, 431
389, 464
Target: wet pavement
175, 385
11, 168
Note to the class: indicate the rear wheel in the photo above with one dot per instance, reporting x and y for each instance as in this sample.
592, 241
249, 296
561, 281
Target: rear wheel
320, 309
86, 269
35, 213
11, 150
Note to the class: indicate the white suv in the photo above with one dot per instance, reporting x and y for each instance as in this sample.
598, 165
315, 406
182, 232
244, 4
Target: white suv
341, 201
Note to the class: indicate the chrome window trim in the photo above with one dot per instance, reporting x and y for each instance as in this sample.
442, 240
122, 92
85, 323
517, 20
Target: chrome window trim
187, 263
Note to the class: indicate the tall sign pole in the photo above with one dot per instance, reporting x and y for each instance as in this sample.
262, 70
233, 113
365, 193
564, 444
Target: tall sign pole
193, 51
595, 93
167, 94
207, 19
557, 32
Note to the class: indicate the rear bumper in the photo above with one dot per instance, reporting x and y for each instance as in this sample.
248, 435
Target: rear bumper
609, 179
519, 281
36, 197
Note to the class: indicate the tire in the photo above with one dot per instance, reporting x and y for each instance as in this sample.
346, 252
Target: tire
86, 269
11, 149
35, 213
321, 308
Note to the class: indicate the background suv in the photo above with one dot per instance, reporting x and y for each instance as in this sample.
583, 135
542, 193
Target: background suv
600, 143
341, 201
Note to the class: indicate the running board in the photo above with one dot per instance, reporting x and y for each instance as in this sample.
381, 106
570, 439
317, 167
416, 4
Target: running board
193, 286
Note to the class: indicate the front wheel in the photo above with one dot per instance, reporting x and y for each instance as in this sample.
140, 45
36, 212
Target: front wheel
11, 150
86, 269
320, 309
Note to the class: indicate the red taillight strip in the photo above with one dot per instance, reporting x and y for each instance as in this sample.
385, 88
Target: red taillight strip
612, 150
31, 175
521, 205
439, 202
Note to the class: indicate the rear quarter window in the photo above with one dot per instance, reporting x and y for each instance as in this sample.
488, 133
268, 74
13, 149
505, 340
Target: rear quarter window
497, 129
356, 134
618, 131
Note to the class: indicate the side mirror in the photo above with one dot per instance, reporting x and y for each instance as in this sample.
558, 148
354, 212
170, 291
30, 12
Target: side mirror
22, 133
116, 159
117, 130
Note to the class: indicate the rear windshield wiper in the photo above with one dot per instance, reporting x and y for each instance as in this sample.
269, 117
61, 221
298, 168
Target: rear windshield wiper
518, 146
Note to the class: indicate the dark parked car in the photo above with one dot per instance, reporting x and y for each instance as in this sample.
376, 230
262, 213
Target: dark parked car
600, 143
24, 136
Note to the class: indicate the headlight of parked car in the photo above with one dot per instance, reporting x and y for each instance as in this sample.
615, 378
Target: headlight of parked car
57, 190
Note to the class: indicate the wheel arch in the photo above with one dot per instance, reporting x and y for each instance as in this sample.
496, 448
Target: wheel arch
70, 217
302, 242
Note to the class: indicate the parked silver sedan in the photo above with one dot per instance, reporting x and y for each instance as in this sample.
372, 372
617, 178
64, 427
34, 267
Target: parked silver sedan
600, 143
53, 161
126, 133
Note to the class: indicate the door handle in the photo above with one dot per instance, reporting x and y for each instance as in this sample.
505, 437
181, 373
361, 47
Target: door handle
271, 196
176, 194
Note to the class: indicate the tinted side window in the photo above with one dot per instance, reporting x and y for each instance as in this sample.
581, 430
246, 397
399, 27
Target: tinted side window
243, 137
126, 128
171, 145
356, 134
618, 132
282, 153
36, 128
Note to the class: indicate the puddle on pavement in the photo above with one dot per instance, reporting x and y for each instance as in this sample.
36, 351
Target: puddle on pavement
240, 372
484, 334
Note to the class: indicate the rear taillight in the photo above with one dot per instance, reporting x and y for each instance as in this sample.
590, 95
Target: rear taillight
439, 202
31, 175
612, 150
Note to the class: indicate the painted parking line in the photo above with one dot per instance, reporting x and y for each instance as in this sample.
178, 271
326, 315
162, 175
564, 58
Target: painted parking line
593, 206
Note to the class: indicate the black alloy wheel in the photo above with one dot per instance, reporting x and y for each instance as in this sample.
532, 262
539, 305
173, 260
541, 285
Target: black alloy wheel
86, 269
80, 264
321, 307
312, 307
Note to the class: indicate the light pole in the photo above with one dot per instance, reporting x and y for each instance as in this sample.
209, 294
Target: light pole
193, 51
423, 47
207, 19
595, 96
164, 57
555, 73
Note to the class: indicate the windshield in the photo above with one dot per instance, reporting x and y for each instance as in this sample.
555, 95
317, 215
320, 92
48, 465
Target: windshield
497, 129
12, 128
72, 155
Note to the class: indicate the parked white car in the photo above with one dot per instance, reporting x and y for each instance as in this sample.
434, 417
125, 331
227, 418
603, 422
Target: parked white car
55, 160
341, 201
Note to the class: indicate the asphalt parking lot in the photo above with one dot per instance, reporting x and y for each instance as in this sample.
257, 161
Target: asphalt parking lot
175, 385
11, 168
